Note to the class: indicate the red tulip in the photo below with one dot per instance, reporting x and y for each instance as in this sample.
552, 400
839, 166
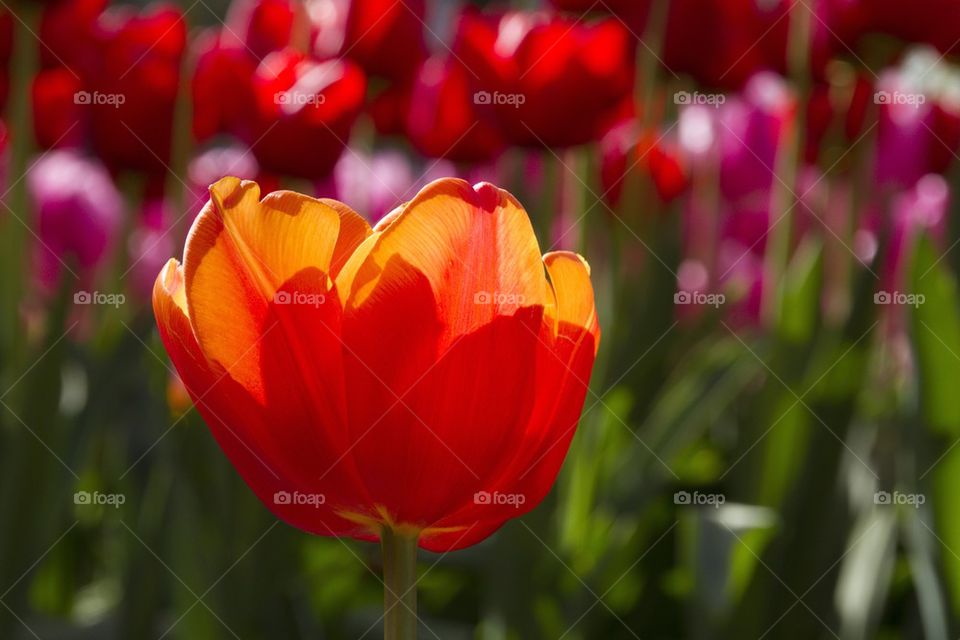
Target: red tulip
264, 26
442, 118
221, 87
388, 109
931, 21
385, 37
624, 152
57, 118
304, 112
133, 92
550, 80
422, 378
724, 42
68, 33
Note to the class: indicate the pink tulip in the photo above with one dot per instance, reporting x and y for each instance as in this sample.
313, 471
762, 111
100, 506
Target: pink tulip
78, 214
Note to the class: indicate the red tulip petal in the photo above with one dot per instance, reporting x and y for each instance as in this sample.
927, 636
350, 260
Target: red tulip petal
441, 331
354, 229
264, 309
244, 430
240, 251
568, 348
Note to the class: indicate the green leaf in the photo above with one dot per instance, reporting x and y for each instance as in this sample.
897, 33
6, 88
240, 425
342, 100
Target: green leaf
800, 307
936, 333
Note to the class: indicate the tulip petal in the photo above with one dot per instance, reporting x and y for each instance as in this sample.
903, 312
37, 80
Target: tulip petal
238, 423
575, 311
353, 231
568, 348
470, 243
240, 250
264, 309
441, 330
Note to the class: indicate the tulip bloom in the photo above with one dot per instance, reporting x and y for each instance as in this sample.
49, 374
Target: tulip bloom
56, 114
375, 27
422, 378
135, 86
304, 110
68, 31
549, 80
78, 216
442, 118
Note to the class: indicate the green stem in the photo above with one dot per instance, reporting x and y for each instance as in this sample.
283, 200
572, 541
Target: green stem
182, 143
400, 585
25, 61
648, 61
784, 198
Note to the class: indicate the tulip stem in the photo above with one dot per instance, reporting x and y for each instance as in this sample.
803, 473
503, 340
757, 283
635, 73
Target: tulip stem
400, 584
16, 206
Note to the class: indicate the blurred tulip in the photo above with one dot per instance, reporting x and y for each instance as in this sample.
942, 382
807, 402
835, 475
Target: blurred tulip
68, 31
734, 150
721, 43
625, 152
446, 304
549, 79
131, 97
618, 7
329, 21
221, 87
374, 184
78, 215
264, 26
388, 109
385, 37
919, 120
924, 207
304, 112
752, 129
57, 118
935, 22
920, 209
442, 118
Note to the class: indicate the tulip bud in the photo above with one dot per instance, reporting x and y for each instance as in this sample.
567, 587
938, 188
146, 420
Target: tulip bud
78, 214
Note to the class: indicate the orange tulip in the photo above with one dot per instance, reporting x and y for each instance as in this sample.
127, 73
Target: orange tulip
423, 378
